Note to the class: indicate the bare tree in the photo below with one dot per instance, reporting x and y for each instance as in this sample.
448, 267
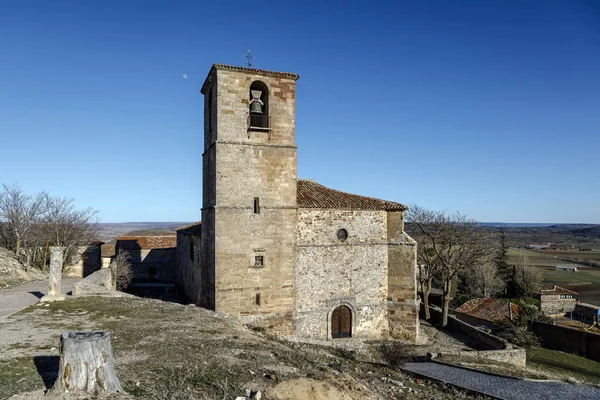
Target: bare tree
420, 222
484, 280
527, 278
20, 212
122, 270
66, 226
456, 243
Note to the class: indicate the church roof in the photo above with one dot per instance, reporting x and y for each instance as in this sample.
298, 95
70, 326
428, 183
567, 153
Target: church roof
254, 71
313, 195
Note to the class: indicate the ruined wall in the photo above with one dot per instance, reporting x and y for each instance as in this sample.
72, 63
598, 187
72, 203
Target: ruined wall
331, 272
240, 165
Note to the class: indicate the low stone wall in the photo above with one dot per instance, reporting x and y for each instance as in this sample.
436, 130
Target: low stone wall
98, 283
516, 357
487, 340
569, 340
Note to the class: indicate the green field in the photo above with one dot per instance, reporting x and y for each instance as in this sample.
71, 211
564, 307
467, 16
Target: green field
564, 365
584, 274
587, 255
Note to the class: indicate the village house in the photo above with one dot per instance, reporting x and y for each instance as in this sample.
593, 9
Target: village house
557, 300
290, 255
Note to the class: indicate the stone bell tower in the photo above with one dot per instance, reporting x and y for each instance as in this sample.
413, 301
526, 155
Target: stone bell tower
249, 210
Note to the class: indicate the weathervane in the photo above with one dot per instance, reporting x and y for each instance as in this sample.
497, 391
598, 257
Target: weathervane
248, 56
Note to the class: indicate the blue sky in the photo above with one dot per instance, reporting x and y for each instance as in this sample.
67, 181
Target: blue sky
490, 108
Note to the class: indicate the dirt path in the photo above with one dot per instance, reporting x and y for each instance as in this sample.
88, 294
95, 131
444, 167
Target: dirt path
16, 299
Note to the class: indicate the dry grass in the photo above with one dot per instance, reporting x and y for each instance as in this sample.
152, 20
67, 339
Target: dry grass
165, 350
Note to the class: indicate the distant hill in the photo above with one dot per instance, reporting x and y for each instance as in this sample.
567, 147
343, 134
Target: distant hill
110, 231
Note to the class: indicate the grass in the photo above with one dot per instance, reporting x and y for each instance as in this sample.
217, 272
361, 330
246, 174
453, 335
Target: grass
564, 365
548, 264
588, 255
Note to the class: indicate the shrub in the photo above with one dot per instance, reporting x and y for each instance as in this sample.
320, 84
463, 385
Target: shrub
394, 352
122, 270
519, 336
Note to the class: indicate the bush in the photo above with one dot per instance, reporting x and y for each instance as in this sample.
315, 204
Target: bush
519, 336
122, 270
395, 352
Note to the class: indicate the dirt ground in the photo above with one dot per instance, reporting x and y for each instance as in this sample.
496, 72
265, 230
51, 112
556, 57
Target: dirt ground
171, 351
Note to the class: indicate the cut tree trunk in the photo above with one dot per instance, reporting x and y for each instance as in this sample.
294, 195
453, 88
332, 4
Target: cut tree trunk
86, 364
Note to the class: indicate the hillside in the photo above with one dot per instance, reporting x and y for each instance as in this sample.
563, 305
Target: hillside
171, 351
12, 272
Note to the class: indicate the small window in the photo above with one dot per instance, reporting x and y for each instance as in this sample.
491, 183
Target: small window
192, 251
259, 261
256, 205
342, 234
257, 300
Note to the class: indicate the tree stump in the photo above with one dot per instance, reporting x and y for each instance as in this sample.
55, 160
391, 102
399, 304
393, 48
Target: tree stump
86, 364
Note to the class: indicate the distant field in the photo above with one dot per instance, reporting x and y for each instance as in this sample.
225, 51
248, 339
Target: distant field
538, 259
589, 255
586, 281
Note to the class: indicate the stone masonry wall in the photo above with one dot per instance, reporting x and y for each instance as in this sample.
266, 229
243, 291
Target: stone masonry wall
240, 165
553, 304
331, 272
188, 275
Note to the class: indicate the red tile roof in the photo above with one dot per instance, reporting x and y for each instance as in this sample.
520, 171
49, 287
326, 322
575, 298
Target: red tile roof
146, 242
556, 290
313, 195
492, 310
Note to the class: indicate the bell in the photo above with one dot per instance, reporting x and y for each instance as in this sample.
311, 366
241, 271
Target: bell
256, 108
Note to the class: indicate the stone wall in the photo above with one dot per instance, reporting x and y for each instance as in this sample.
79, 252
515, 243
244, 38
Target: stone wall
86, 262
403, 304
189, 261
486, 340
331, 272
239, 165
516, 357
553, 304
569, 340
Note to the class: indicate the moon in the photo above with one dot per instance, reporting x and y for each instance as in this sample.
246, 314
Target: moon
184, 76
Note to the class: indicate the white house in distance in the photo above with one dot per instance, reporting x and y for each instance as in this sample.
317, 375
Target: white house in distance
569, 268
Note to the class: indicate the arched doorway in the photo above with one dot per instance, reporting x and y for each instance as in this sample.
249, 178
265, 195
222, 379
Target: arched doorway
341, 323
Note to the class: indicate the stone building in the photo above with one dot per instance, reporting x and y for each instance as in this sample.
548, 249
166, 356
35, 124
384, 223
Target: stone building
289, 255
557, 300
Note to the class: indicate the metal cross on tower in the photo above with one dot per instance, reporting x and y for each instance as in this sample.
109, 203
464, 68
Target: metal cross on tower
249, 57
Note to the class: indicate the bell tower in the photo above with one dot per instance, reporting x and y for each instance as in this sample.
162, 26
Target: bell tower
249, 210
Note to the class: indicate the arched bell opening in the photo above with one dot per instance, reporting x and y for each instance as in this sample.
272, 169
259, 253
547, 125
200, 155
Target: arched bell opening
259, 105
341, 323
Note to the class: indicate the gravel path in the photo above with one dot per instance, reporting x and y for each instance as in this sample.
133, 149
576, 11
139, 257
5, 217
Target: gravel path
501, 387
17, 298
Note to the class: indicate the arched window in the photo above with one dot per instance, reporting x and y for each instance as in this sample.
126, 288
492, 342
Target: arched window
259, 106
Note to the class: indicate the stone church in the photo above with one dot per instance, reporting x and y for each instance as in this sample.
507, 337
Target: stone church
286, 254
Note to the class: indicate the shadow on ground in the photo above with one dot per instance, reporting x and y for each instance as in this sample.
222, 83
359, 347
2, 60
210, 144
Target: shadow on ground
47, 367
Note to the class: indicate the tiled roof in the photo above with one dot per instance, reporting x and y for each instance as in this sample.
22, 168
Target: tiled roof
313, 195
257, 71
146, 242
492, 310
262, 72
556, 290
107, 250
191, 229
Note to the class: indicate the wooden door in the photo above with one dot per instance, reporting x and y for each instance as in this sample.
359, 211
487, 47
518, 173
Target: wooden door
341, 323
